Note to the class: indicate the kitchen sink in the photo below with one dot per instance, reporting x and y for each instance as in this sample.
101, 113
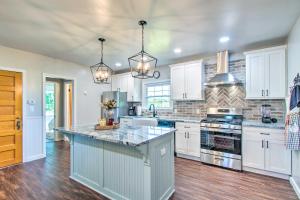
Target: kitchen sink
144, 121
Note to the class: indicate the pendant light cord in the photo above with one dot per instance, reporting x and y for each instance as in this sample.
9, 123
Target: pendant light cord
101, 51
142, 37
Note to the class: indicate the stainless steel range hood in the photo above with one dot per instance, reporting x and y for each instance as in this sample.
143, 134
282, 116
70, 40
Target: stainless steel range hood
223, 77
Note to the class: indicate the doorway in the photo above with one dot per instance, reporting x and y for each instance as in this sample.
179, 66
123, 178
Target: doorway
58, 106
11, 115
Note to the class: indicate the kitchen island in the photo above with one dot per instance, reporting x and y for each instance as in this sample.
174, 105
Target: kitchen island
127, 163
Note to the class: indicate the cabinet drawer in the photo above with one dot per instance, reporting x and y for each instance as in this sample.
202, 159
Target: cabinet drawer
192, 127
267, 133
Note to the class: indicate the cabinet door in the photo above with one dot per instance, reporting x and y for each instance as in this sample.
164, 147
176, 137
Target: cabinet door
255, 76
130, 90
278, 158
193, 81
115, 83
123, 83
275, 74
193, 143
181, 142
253, 149
177, 82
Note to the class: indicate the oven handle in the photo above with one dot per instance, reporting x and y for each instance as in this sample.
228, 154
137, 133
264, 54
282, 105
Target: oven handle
222, 130
226, 137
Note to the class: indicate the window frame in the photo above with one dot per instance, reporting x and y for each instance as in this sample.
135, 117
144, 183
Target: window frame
156, 83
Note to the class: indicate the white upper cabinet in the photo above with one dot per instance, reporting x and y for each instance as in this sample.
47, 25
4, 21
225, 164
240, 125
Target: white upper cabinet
177, 82
187, 81
266, 73
126, 83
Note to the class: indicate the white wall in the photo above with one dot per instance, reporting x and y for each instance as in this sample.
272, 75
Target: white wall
293, 69
87, 106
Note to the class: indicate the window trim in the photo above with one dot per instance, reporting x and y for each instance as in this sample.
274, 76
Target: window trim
156, 83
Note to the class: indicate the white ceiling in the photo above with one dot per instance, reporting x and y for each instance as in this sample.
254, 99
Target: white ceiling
69, 29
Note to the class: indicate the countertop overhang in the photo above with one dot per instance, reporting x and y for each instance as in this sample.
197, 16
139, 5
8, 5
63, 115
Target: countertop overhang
126, 135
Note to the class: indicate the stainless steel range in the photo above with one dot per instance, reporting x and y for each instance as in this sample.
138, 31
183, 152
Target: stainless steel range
221, 137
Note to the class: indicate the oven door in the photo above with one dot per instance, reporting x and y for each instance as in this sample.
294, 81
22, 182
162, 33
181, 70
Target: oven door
224, 141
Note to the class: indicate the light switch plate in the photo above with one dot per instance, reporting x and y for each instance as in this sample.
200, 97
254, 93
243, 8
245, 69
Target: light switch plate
163, 151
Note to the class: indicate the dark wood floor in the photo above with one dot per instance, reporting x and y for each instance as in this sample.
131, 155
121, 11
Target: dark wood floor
48, 179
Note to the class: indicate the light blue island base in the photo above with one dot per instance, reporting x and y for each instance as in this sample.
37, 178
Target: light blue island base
120, 171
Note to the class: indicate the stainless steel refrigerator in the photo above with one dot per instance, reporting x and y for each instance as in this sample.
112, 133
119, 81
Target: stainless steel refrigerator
122, 104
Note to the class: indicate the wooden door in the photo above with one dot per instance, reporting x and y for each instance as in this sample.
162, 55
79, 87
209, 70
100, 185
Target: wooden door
275, 74
10, 118
177, 82
255, 76
193, 81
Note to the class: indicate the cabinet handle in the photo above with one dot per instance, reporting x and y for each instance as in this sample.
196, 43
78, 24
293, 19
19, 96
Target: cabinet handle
185, 135
267, 144
262, 144
267, 92
221, 159
265, 133
262, 93
187, 127
188, 134
183, 95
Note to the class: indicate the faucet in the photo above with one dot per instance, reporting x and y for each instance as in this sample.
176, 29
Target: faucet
154, 113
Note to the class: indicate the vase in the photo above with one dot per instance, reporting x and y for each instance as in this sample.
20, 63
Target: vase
110, 117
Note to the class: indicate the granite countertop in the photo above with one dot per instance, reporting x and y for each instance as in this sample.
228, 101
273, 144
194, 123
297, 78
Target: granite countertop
127, 135
259, 124
172, 118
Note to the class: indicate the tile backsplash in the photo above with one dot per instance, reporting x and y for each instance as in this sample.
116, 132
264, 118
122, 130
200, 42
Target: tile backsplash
229, 96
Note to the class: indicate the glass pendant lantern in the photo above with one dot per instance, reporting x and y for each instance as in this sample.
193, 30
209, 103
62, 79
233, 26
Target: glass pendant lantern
143, 65
100, 71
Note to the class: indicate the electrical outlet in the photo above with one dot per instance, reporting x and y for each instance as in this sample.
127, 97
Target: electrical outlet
198, 111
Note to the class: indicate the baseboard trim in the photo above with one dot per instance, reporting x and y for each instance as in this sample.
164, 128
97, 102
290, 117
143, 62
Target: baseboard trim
180, 155
295, 186
35, 157
266, 173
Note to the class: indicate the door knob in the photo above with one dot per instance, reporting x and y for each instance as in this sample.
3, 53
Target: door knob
18, 123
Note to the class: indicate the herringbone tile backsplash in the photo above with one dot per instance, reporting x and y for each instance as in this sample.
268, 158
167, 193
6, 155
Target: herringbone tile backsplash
232, 96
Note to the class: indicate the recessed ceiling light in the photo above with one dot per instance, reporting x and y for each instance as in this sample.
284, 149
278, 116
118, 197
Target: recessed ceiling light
177, 50
118, 64
224, 39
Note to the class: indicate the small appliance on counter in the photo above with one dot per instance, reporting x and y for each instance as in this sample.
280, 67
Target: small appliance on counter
266, 114
132, 111
139, 110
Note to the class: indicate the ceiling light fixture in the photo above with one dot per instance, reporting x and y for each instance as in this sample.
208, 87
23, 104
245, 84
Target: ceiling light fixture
177, 50
143, 65
224, 39
100, 71
118, 64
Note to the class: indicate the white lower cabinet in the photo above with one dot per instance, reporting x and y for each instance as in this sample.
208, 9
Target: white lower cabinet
264, 149
187, 139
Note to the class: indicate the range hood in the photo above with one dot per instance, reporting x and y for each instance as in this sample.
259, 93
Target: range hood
223, 77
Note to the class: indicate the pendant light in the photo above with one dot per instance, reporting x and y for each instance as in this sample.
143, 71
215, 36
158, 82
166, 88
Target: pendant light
100, 71
142, 64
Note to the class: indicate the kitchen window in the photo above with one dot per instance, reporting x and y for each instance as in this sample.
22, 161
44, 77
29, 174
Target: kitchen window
159, 94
